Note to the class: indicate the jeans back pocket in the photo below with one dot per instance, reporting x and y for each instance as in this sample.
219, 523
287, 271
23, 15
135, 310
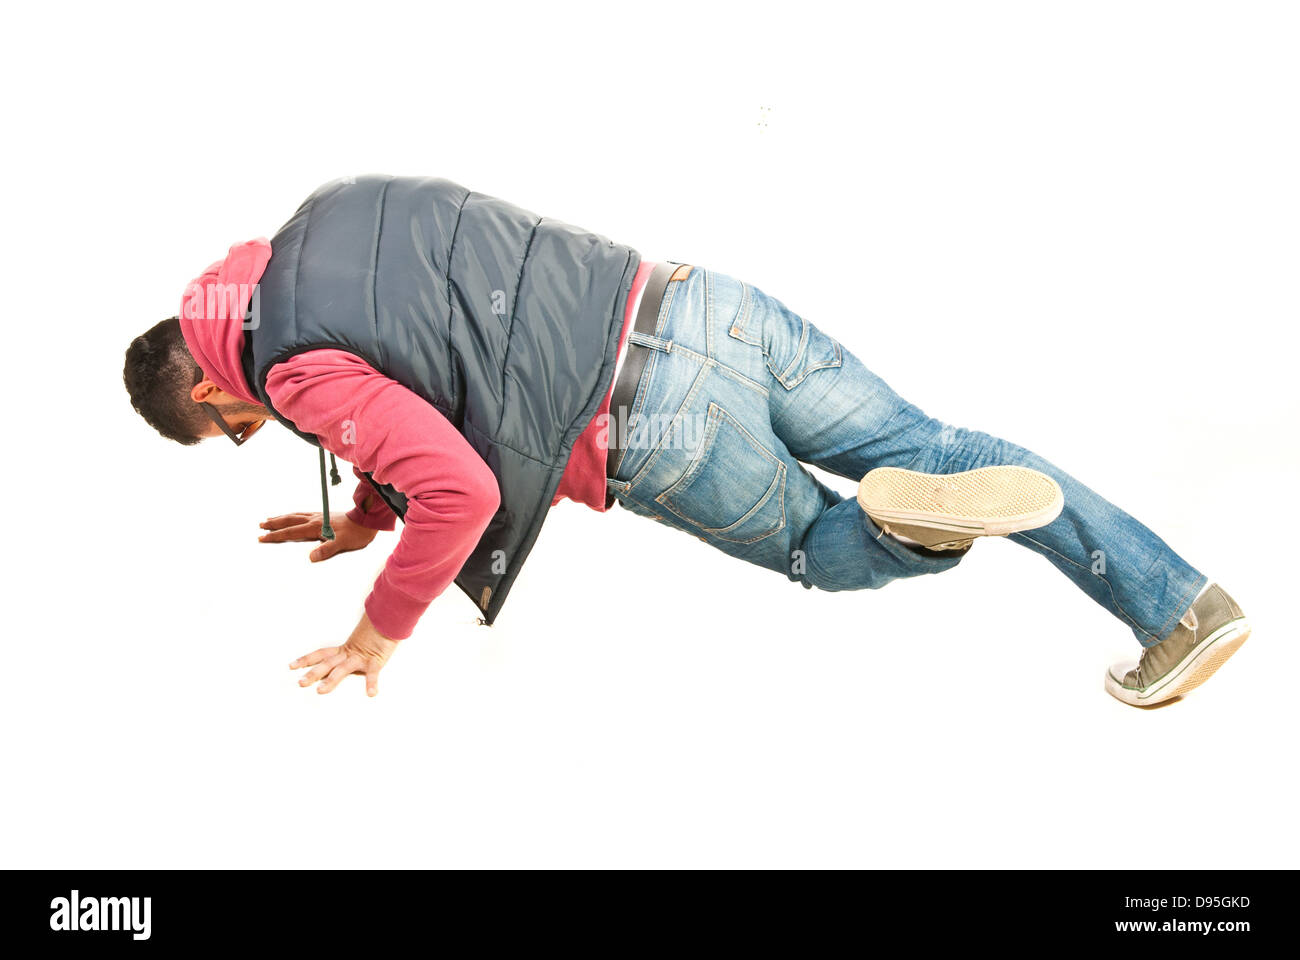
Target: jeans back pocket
734, 487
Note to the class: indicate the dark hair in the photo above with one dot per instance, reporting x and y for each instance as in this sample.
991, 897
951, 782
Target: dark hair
158, 375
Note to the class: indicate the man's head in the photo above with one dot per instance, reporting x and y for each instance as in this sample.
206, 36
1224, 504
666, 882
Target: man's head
168, 389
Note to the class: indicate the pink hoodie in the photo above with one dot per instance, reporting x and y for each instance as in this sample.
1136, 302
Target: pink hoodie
382, 428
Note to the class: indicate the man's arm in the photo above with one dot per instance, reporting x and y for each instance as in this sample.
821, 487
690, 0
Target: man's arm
385, 429
369, 508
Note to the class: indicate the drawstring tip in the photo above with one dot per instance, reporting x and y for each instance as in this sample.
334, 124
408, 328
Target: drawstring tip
335, 479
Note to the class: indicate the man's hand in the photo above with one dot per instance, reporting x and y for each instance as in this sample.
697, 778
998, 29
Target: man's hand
366, 652
306, 527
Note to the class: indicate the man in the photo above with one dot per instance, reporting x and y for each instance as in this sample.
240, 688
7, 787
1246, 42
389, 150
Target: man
476, 364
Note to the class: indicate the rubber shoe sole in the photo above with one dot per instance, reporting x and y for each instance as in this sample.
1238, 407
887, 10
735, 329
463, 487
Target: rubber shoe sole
1193, 670
989, 502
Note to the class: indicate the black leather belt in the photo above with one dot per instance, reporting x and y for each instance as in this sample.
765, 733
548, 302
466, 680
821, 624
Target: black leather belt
634, 360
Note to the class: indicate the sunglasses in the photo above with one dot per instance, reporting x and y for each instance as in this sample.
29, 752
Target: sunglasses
220, 421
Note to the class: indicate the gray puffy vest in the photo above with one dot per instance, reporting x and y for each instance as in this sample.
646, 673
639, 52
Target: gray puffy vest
508, 323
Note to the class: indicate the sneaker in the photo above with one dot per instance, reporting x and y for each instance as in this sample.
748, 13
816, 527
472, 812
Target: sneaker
1209, 633
948, 511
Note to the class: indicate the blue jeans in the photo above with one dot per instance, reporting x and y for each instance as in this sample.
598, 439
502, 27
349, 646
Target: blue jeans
739, 389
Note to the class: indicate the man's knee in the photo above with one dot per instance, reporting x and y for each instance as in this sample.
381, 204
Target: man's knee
864, 576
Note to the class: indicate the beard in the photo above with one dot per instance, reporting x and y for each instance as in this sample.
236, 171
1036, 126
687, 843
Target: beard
237, 407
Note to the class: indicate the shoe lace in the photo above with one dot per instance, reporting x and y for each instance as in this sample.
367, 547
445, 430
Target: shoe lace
1189, 621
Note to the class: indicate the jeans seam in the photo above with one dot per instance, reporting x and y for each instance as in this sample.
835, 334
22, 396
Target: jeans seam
708, 314
723, 368
1100, 576
732, 373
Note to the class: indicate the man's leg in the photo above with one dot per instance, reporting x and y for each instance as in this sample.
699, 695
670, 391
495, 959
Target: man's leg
740, 389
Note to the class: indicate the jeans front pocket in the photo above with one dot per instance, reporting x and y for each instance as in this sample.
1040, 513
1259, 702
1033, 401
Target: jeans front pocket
733, 488
792, 346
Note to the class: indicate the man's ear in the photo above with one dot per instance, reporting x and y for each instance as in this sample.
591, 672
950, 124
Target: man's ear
206, 390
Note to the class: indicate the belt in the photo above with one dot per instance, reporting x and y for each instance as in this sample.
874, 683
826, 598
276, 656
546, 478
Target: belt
634, 360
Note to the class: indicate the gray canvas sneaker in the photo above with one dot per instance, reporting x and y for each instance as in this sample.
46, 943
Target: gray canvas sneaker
948, 511
1209, 633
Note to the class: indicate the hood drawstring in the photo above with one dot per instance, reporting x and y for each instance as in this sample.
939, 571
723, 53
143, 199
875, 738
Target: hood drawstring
326, 531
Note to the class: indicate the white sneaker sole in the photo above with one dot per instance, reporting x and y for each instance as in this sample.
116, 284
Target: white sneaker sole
1192, 671
990, 501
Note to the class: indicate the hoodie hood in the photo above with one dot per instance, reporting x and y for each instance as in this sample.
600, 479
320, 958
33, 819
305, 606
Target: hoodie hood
213, 310
212, 323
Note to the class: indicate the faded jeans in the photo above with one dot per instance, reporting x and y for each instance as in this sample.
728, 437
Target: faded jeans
739, 390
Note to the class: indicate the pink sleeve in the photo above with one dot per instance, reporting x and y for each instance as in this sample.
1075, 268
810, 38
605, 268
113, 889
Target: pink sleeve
382, 428
369, 508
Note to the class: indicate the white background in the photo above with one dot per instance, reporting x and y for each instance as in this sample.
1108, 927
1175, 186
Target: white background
1072, 225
